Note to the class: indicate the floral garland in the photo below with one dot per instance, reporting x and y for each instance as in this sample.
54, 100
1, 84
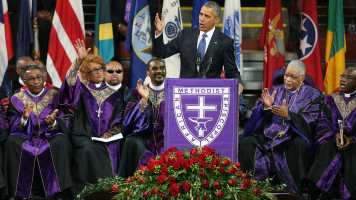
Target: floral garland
197, 174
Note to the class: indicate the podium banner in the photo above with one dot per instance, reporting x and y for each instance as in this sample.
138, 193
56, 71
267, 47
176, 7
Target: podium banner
202, 112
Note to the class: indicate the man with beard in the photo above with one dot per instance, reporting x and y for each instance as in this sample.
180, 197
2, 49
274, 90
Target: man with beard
144, 124
335, 156
98, 112
37, 137
278, 138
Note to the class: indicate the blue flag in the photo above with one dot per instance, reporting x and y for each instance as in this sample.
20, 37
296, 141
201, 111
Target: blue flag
138, 40
197, 4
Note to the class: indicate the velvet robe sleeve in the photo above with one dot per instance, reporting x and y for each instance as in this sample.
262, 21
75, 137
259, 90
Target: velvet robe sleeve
69, 92
137, 120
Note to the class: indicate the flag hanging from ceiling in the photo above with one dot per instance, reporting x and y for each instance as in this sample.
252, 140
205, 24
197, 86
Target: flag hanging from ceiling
233, 27
197, 4
272, 39
104, 38
309, 51
5, 48
335, 47
67, 27
173, 20
138, 40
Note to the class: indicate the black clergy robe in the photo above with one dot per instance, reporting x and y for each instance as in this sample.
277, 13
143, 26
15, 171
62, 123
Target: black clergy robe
4, 126
331, 164
266, 154
37, 143
96, 111
143, 132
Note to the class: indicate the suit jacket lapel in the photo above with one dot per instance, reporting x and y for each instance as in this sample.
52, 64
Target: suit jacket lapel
213, 46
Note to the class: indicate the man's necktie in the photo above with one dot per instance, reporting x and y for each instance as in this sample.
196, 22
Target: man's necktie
201, 47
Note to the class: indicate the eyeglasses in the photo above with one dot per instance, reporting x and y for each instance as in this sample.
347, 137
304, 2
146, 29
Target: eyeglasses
33, 79
101, 69
348, 77
111, 71
292, 76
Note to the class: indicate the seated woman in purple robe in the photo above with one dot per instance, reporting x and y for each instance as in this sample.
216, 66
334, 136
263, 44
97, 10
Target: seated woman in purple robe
37, 137
335, 159
98, 112
278, 138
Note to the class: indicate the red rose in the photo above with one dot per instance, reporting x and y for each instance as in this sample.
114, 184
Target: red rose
145, 194
156, 163
211, 166
221, 169
150, 161
226, 162
216, 155
164, 171
114, 188
201, 174
142, 168
247, 182
232, 182
135, 177
188, 162
216, 162
205, 184
172, 149
176, 165
243, 175
233, 170
163, 195
237, 164
128, 180
163, 160
155, 191
179, 154
201, 157
161, 179
151, 168
256, 191
219, 194
171, 180
194, 159
193, 152
203, 164
174, 190
180, 160
243, 186
143, 179
171, 161
217, 185
186, 186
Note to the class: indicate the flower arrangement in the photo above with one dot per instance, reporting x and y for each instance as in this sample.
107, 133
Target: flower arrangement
196, 174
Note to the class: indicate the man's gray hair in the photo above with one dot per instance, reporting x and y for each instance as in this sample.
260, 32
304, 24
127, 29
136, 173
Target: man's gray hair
298, 64
215, 6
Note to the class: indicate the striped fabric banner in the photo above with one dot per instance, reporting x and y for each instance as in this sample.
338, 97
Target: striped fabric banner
67, 27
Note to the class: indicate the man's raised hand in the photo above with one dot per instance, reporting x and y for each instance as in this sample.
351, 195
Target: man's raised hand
51, 118
27, 110
143, 91
159, 24
267, 98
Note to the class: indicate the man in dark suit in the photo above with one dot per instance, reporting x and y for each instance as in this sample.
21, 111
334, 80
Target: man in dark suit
211, 46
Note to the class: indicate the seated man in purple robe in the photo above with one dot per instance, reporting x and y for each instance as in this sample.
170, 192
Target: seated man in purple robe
278, 138
4, 125
98, 112
37, 139
335, 160
144, 124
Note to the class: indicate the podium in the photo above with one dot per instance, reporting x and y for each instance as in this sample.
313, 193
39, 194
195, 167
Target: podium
202, 112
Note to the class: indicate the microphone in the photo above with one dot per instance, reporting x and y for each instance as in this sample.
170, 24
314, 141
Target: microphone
208, 64
198, 62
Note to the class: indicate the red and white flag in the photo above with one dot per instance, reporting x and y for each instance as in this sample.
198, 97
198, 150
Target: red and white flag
67, 27
5, 40
309, 51
272, 39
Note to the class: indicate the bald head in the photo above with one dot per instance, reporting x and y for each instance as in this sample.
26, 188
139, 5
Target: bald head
114, 73
21, 63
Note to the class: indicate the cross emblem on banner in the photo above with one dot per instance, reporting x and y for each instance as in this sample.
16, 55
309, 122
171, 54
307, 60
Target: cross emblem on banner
201, 120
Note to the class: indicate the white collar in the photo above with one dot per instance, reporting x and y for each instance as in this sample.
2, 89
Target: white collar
209, 33
97, 85
114, 87
348, 94
160, 87
21, 81
36, 95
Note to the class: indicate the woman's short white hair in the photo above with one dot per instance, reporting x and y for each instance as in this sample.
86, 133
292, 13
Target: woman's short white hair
298, 64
